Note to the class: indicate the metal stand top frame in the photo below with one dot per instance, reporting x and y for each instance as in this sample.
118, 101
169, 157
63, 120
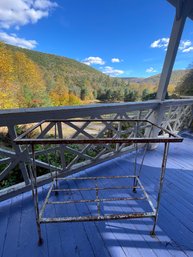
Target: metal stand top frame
25, 138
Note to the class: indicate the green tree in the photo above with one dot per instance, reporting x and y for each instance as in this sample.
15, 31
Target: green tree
185, 86
84, 93
145, 94
130, 96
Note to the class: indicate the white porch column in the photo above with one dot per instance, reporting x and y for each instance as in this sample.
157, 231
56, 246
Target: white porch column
175, 37
182, 11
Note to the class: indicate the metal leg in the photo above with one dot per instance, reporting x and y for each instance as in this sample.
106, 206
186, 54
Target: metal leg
97, 197
163, 169
56, 183
135, 164
140, 168
56, 173
33, 176
135, 170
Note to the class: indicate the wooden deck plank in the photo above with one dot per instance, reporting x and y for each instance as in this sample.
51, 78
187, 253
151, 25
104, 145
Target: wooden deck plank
4, 221
82, 245
13, 227
28, 233
92, 229
52, 235
66, 232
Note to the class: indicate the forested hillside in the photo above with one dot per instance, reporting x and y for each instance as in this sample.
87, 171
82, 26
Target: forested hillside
33, 79
185, 86
147, 87
176, 77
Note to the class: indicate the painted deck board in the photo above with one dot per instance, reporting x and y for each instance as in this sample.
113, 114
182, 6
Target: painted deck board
126, 238
28, 235
4, 221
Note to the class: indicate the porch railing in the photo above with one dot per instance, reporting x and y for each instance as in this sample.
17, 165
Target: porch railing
176, 115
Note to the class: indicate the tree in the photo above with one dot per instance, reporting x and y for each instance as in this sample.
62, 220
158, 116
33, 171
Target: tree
8, 88
32, 86
84, 93
130, 95
185, 86
145, 94
59, 95
74, 100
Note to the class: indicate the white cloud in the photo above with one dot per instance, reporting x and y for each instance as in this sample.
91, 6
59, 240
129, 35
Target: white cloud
16, 13
150, 70
187, 49
114, 60
185, 45
44, 4
93, 60
111, 71
160, 43
13, 39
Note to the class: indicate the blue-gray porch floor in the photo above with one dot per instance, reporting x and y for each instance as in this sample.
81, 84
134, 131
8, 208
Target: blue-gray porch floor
174, 232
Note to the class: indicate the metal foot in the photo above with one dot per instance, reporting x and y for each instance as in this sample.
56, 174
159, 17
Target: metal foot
40, 241
134, 190
152, 233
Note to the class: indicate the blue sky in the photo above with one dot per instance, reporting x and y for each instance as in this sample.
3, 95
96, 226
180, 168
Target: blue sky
125, 38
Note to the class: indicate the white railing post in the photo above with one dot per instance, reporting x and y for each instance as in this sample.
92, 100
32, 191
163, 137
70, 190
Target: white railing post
18, 152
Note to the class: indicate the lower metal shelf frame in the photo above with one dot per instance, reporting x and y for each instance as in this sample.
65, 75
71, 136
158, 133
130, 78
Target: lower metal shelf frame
97, 200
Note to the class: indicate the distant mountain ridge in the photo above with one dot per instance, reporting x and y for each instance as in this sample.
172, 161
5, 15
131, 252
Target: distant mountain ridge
176, 77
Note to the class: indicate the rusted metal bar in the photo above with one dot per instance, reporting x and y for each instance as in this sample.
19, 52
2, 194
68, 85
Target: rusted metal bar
135, 162
99, 177
46, 201
93, 188
99, 200
146, 195
98, 141
22, 140
136, 215
35, 196
163, 169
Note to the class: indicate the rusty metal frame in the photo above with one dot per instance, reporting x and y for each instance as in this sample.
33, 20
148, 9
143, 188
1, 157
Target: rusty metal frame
22, 140
136, 177
97, 200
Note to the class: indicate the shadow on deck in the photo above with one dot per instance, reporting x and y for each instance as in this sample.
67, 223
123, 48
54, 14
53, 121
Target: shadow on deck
174, 235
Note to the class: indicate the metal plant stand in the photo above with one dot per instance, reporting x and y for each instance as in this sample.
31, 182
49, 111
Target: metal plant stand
137, 134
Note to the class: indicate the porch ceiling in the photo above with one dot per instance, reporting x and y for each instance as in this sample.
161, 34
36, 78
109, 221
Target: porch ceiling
175, 4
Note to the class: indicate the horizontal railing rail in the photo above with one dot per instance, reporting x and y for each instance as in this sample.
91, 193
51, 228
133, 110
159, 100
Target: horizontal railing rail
177, 114
30, 115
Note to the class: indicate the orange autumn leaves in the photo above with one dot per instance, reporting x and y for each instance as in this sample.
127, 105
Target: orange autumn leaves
22, 83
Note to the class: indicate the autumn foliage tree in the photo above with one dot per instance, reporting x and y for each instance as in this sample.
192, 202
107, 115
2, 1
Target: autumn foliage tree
60, 94
32, 91
8, 88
